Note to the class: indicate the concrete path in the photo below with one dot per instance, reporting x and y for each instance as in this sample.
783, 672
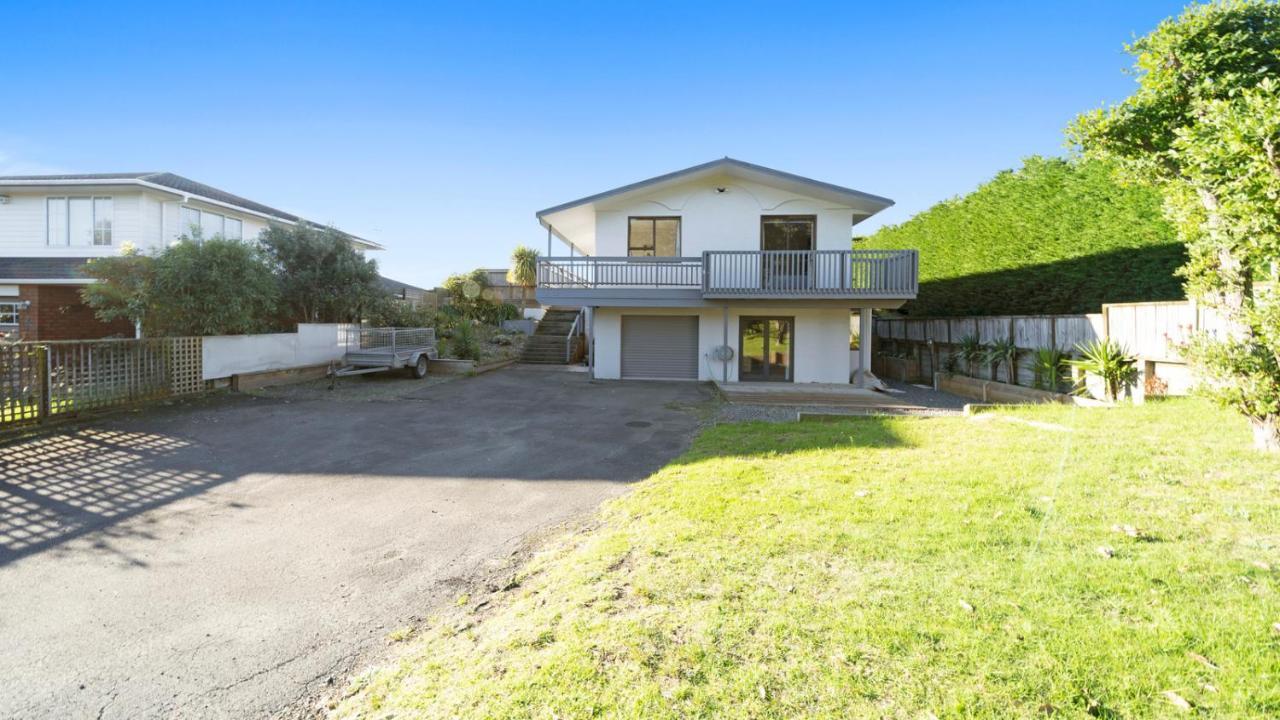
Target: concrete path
228, 557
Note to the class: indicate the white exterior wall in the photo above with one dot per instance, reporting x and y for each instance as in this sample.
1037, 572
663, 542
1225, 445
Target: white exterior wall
711, 220
144, 219
312, 344
821, 340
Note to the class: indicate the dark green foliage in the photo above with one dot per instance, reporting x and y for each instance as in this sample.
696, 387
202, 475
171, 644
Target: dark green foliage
470, 297
1056, 236
1049, 364
210, 287
322, 277
388, 311
463, 344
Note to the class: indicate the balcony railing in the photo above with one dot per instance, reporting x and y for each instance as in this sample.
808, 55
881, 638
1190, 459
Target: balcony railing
745, 273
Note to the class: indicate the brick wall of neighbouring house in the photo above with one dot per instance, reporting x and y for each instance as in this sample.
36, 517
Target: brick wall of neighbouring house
57, 313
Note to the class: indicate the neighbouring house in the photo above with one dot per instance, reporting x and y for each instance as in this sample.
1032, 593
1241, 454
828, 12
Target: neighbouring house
51, 225
408, 293
504, 291
724, 271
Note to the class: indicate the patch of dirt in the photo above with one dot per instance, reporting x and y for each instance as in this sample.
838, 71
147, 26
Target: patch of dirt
372, 387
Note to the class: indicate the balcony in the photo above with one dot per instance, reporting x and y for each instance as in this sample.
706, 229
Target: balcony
871, 275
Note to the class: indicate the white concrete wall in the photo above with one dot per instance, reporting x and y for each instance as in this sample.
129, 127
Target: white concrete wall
821, 340
312, 344
712, 220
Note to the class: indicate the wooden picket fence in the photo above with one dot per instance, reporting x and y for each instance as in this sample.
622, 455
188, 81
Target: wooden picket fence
40, 381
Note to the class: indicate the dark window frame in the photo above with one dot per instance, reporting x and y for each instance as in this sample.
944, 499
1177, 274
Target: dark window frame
743, 320
811, 219
653, 224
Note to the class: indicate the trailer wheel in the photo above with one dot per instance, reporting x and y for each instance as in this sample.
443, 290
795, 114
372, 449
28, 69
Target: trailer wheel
420, 368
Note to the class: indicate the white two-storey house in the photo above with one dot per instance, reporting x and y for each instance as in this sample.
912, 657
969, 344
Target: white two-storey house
51, 225
725, 271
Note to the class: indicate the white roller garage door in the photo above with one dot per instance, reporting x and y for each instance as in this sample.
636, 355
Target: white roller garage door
660, 347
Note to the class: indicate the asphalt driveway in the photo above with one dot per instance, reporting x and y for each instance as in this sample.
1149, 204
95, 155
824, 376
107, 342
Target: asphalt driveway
228, 557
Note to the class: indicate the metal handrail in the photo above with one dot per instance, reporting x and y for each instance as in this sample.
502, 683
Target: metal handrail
574, 330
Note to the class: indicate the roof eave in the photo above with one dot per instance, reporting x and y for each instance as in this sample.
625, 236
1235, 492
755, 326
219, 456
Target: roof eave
882, 202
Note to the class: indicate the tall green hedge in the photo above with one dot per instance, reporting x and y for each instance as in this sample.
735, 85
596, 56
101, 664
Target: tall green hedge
1055, 236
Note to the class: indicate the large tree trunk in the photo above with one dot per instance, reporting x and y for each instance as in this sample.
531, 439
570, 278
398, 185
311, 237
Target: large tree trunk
1266, 433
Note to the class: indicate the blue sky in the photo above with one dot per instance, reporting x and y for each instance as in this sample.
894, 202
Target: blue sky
439, 130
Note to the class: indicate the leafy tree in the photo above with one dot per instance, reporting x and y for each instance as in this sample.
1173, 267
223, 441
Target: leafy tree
1205, 124
1053, 236
195, 287
123, 287
467, 293
523, 271
389, 311
322, 277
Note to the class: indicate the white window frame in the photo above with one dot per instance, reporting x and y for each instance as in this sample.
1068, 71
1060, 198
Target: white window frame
65, 240
10, 309
199, 223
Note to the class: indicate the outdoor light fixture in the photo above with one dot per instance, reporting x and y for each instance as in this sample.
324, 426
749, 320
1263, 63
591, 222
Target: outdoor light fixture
720, 189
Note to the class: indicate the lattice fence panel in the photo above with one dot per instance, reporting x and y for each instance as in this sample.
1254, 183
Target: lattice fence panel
186, 365
88, 375
40, 380
21, 391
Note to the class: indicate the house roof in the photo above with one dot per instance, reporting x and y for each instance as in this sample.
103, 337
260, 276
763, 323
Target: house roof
737, 168
397, 287
43, 268
174, 183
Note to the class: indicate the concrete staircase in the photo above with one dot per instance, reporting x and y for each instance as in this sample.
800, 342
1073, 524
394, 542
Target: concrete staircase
547, 344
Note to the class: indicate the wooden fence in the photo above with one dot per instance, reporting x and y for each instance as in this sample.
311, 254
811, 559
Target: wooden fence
913, 349
43, 381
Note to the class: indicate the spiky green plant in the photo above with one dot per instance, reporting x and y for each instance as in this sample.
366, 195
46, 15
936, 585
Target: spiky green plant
1005, 352
1047, 365
973, 352
1111, 362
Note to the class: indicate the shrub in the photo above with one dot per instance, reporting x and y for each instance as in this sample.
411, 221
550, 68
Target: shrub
1055, 236
463, 344
322, 277
1110, 361
1004, 352
195, 287
1048, 365
973, 352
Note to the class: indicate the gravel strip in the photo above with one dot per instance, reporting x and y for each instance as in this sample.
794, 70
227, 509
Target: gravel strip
930, 402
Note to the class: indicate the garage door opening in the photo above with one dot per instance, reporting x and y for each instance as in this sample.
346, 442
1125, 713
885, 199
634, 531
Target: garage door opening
660, 347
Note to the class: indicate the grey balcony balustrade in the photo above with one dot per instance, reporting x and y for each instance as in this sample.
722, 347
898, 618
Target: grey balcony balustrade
745, 274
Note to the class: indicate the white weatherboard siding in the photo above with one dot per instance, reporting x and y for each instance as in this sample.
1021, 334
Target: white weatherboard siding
144, 219
712, 220
821, 340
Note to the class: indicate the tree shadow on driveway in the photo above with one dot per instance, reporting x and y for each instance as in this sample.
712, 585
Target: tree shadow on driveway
507, 425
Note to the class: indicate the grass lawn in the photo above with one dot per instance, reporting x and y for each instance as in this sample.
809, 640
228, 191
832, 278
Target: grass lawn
1040, 561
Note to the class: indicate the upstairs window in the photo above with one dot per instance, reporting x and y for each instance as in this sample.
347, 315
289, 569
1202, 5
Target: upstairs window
653, 237
78, 221
210, 225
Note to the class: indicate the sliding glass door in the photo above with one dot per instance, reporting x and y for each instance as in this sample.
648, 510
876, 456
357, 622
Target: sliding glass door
767, 349
791, 240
